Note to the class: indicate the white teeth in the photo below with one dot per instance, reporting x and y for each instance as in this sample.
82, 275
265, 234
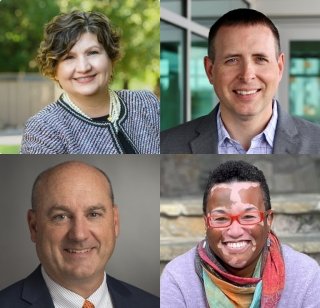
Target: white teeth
236, 244
78, 251
246, 92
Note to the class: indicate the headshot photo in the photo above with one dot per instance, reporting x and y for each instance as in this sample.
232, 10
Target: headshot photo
83, 84
239, 233
84, 231
249, 79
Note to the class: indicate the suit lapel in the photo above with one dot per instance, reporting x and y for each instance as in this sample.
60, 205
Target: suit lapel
207, 140
286, 135
35, 291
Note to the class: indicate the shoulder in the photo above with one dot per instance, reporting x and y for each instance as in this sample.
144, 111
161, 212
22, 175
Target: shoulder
182, 263
303, 126
10, 296
302, 280
47, 115
177, 139
297, 262
27, 292
180, 285
141, 97
126, 295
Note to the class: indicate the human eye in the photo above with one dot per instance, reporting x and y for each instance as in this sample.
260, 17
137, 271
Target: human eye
94, 215
219, 218
93, 52
262, 59
67, 57
59, 217
252, 216
232, 60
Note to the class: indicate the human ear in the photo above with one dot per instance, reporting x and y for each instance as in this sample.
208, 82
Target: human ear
32, 223
116, 220
270, 219
208, 66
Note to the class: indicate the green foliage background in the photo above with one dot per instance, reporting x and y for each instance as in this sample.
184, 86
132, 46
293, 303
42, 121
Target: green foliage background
138, 21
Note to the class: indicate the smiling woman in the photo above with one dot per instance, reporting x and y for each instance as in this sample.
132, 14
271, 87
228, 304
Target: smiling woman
79, 52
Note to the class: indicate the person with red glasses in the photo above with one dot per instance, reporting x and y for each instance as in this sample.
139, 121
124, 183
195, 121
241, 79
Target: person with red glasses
241, 262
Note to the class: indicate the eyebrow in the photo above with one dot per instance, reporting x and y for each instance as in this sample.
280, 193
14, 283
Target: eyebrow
239, 55
63, 208
220, 211
100, 47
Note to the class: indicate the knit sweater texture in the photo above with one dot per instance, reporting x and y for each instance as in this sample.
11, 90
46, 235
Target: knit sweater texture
180, 286
59, 129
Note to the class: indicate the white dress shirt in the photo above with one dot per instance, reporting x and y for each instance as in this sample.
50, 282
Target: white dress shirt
63, 297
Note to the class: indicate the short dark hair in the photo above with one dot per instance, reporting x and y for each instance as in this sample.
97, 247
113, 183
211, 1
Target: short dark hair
64, 30
237, 171
246, 17
45, 175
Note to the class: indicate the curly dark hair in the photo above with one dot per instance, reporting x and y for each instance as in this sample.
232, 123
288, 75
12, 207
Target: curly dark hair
64, 30
246, 17
237, 171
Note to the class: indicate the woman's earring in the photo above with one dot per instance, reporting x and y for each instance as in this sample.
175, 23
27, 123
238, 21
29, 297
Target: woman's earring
268, 242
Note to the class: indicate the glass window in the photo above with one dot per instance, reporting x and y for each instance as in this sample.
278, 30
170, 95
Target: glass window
304, 80
175, 6
171, 75
202, 93
206, 12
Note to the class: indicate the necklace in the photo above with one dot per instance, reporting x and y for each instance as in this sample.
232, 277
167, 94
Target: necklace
115, 108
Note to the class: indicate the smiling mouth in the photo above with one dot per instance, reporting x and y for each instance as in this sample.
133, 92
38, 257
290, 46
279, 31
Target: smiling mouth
85, 78
237, 246
78, 251
247, 92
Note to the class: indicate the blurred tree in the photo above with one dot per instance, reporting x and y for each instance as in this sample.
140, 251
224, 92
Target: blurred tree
21, 32
137, 20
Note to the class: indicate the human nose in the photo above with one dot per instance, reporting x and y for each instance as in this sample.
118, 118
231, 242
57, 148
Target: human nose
247, 71
83, 64
79, 229
235, 230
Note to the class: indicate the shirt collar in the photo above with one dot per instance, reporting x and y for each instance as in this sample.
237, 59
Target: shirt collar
268, 133
63, 297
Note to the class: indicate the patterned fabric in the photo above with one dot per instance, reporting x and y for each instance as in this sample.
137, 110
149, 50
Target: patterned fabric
63, 297
87, 304
272, 275
58, 129
260, 144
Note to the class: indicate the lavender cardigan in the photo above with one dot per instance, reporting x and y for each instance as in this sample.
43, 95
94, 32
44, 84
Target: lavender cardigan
181, 287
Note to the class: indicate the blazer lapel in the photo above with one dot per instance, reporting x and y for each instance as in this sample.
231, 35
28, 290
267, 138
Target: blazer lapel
35, 291
286, 134
207, 140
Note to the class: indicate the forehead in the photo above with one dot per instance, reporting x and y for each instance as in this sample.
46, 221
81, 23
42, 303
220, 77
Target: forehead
235, 194
75, 184
257, 38
85, 40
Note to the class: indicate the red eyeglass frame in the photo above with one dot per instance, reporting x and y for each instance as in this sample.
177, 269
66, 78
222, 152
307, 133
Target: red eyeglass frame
236, 217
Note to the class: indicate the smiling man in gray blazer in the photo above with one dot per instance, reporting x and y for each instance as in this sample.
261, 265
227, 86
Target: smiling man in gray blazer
245, 65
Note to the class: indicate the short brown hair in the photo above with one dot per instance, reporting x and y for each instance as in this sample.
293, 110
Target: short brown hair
241, 17
64, 30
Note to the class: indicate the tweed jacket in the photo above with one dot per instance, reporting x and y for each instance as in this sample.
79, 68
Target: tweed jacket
59, 129
33, 292
200, 136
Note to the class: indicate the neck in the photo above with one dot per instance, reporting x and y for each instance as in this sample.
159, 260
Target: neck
82, 287
94, 106
244, 129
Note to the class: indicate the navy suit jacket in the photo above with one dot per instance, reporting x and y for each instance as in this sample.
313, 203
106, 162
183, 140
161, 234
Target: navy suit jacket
33, 292
200, 136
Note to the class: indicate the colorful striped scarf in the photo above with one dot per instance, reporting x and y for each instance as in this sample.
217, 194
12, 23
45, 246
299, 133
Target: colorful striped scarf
262, 290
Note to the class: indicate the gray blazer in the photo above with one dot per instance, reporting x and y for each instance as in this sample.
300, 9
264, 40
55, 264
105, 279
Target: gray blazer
200, 136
